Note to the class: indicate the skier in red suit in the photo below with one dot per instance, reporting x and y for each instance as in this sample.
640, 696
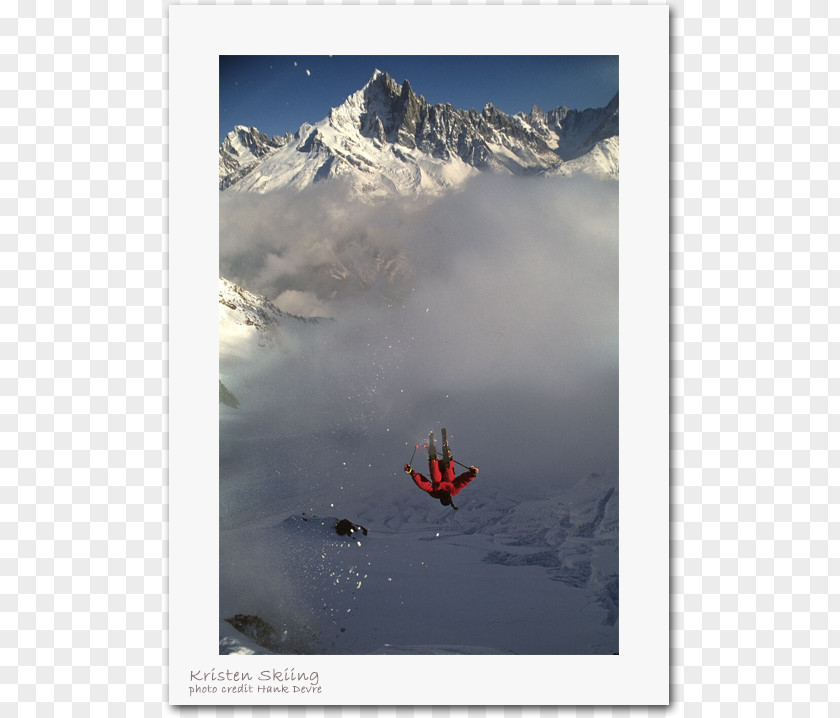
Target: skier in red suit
443, 484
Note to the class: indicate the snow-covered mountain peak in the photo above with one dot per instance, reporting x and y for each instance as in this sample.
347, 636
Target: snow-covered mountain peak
385, 140
382, 110
381, 84
383, 80
242, 150
249, 142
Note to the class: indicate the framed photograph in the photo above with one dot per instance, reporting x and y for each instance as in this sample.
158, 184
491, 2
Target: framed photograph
434, 306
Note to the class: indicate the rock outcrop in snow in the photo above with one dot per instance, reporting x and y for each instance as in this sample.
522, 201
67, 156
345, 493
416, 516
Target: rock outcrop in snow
249, 324
386, 140
257, 630
242, 149
247, 318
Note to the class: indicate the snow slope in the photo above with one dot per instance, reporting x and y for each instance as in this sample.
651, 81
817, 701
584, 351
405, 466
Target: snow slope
501, 575
600, 161
517, 358
530, 572
242, 149
248, 320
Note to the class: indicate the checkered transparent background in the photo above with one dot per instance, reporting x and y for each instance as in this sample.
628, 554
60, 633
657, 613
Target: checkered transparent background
83, 362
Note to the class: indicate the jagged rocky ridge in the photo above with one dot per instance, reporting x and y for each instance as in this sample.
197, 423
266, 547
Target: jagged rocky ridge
254, 310
386, 140
241, 151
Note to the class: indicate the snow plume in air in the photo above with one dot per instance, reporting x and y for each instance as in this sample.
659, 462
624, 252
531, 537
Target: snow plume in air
492, 311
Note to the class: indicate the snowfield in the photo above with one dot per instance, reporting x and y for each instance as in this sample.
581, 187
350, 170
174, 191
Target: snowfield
500, 575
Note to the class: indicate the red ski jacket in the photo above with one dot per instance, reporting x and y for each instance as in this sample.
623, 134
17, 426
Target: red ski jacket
443, 480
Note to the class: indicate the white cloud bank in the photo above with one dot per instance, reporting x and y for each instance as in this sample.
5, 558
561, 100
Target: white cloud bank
499, 320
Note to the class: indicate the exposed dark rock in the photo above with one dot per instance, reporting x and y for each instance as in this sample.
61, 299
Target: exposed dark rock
345, 527
258, 630
251, 143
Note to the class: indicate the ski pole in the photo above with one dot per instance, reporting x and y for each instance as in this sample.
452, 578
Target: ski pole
416, 446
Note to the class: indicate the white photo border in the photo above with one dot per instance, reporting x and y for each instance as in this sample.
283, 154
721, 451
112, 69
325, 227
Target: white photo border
639, 675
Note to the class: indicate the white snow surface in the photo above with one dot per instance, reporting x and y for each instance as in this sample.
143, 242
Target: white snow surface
601, 161
249, 322
503, 574
242, 149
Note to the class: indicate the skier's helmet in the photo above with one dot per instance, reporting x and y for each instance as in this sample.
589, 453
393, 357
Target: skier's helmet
446, 499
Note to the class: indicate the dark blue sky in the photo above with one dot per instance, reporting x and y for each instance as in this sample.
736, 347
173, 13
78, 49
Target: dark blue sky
278, 93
